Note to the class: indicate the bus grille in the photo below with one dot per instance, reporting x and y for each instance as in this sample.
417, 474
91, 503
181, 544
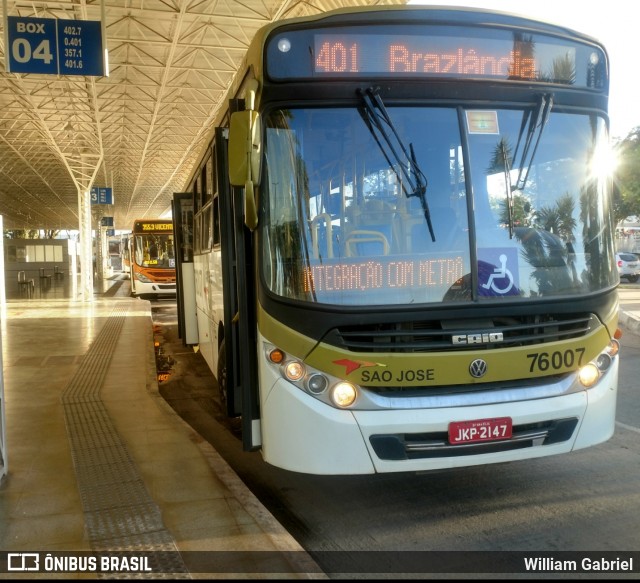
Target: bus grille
485, 334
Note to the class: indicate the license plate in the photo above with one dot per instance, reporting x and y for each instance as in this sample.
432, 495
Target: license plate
479, 430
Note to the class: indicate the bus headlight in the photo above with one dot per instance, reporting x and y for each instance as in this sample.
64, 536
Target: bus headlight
331, 390
317, 383
589, 375
294, 370
603, 362
142, 277
343, 394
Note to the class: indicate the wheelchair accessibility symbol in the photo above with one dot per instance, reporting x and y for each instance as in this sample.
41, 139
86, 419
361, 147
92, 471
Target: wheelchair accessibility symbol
498, 271
501, 280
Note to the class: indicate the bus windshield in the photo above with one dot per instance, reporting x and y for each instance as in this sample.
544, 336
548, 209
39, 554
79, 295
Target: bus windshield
338, 226
155, 250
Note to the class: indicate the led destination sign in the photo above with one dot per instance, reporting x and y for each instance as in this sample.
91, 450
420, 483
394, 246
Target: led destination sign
348, 276
146, 227
438, 51
430, 56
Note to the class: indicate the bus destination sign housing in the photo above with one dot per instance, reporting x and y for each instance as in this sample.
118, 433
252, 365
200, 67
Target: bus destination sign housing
434, 51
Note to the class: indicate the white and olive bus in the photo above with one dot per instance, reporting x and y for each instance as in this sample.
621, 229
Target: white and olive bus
403, 245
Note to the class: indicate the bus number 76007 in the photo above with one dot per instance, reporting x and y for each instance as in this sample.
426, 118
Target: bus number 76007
541, 361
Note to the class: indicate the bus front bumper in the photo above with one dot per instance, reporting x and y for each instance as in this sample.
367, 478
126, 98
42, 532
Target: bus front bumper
311, 437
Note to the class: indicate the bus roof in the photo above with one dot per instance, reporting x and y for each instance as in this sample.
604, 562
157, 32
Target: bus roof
455, 15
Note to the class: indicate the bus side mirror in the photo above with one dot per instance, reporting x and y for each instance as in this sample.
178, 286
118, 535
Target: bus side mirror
245, 155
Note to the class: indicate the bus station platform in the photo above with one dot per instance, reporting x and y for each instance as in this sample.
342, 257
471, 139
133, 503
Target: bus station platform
96, 462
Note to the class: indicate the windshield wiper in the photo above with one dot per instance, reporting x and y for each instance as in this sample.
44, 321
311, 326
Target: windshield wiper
537, 120
507, 182
377, 120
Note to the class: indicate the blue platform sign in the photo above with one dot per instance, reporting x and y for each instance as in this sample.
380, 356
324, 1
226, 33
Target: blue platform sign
106, 222
54, 47
101, 195
32, 45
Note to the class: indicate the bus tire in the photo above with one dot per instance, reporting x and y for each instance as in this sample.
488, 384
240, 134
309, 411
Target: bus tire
221, 377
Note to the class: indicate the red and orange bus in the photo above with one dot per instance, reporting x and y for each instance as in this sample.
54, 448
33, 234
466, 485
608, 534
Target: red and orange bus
153, 264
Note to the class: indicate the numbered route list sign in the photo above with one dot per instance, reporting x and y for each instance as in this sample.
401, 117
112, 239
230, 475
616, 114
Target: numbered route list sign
55, 47
101, 195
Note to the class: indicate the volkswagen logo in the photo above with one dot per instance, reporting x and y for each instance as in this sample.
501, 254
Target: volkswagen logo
478, 368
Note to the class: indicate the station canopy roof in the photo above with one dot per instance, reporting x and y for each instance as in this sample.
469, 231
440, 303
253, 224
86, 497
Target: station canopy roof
138, 130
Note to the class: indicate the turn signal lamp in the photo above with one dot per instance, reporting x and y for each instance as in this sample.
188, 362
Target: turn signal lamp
276, 356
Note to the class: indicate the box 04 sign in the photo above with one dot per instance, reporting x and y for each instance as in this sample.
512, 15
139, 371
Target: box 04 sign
55, 47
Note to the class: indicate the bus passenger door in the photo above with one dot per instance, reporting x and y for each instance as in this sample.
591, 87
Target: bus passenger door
239, 302
185, 280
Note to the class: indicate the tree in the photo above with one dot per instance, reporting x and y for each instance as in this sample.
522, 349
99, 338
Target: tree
22, 233
521, 211
31, 233
559, 218
626, 200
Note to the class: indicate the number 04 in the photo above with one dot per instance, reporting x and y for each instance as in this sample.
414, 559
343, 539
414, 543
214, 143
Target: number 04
21, 51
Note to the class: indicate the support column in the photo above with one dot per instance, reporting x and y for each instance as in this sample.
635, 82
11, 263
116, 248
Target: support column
99, 245
3, 283
85, 291
3, 316
104, 251
3, 431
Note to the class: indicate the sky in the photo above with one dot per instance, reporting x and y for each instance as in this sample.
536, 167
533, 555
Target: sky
612, 22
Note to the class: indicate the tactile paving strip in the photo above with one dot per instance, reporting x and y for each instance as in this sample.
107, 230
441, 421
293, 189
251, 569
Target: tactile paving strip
120, 515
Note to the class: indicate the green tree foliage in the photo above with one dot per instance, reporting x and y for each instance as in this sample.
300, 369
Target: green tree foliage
521, 209
558, 219
627, 185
